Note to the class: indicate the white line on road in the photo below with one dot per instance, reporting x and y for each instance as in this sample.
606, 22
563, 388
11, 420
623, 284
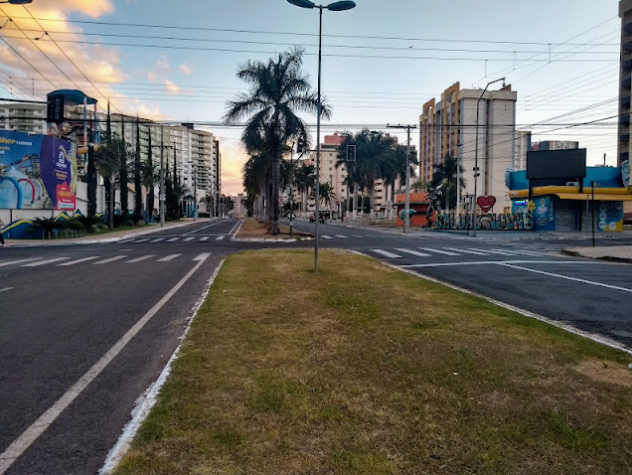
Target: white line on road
530, 253
173, 239
500, 253
21, 261
169, 258
6, 289
78, 261
329, 238
342, 236
221, 238
189, 239
157, 240
205, 238
235, 227
456, 264
202, 257
140, 259
476, 253
386, 253
111, 259
35, 430
414, 253
48, 261
140, 241
438, 251
195, 231
358, 236
566, 277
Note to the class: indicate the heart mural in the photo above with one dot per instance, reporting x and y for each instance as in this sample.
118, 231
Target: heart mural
486, 202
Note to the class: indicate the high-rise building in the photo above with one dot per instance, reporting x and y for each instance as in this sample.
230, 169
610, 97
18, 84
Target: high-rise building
523, 147
548, 145
449, 128
625, 80
23, 117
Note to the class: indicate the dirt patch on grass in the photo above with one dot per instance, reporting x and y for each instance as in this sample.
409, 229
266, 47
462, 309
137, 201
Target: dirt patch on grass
362, 369
253, 229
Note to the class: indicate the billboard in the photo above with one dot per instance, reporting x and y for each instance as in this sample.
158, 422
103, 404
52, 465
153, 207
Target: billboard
567, 164
37, 172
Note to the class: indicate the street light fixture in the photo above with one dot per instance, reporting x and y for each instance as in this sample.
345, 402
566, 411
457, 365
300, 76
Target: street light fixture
334, 7
476, 171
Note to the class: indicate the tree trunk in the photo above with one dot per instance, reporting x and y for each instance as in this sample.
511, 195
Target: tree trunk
92, 184
150, 203
355, 202
111, 203
123, 180
372, 202
138, 190
276, 176
392, 208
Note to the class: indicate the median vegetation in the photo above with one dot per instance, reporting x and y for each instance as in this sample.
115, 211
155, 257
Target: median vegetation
363, 369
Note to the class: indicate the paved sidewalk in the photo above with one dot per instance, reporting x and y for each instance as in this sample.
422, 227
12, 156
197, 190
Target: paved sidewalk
104, 238
609, 253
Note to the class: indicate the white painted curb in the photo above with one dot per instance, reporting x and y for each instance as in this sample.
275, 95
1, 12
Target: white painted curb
147, 400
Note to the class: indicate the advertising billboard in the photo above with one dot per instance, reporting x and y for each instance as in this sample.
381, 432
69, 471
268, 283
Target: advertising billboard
37, 172
568, 164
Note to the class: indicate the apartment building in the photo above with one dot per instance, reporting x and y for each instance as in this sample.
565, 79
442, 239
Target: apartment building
328, 172
547, 145
450, 125
625, 81
23, 117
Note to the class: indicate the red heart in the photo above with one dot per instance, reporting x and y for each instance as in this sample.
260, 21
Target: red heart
486, 202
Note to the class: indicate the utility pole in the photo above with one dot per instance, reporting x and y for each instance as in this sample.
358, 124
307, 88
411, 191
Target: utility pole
407, 205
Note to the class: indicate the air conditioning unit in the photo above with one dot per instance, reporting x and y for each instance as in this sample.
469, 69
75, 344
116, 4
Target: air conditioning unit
572, 183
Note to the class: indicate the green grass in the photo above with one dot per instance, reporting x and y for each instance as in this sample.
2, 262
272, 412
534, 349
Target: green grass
362, 369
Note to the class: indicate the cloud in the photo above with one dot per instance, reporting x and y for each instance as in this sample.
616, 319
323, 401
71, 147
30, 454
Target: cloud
233, 159
171, 88
162, 64
186, 69
152, 76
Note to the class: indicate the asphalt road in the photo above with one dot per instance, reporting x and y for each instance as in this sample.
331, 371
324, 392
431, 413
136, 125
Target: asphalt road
63, 309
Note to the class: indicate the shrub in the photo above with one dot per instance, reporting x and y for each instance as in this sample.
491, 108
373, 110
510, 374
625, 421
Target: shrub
94, 228
76, 225
129, 223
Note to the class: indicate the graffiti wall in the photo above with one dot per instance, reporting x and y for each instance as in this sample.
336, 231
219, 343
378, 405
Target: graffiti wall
37, 172
487, 222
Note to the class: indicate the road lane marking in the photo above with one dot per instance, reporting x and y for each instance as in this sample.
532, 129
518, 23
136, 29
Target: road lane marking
189, 239
329, 238
530, 253
173, 239
566, 277
358, 236
439, 251
140, 259
35, 430
140, 241
235, 227
203, 228
48, 261
6, 289
111, 259
221, 238
169, 258
202, 257
157, 240
20, 261
205, 238
78, 261
500, 253
342, 236
414, 253
386, 254
486, 263
476, 253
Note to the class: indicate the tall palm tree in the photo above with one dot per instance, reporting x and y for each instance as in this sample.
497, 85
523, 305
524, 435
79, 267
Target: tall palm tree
327, 194
445, 173
305, 182
108, 163
279, 90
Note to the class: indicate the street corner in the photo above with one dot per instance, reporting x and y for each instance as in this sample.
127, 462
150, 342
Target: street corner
622, 254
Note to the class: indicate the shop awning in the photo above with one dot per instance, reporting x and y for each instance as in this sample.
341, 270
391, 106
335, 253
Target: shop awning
588, 197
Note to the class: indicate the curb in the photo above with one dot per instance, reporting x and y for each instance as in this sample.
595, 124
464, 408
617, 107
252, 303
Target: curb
621, 260
234, 238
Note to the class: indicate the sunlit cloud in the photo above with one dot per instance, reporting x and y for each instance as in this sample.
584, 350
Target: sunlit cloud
233, 159
152, 76
171, 88
186, 69
162, 64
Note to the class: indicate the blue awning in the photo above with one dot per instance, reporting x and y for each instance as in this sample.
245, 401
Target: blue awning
73, 95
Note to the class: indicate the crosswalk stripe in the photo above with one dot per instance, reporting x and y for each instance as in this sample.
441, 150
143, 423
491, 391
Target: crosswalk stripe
140, 259
358, 236
221, 238
189, 239
127, 241
169, 258
500, 253
173, 239
140, 241
386, 253
204, 238
342, 236
414, 253
529, 253
19, 261
157, 240
111, 259
78, 261
439, 251
476, 253
329, 238
48, 261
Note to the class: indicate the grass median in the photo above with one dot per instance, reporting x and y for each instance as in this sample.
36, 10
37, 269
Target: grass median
363, 369
253, 229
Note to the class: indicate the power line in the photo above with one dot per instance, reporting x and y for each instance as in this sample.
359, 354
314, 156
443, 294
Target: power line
26, 61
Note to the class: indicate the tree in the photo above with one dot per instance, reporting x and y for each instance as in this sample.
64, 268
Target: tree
108, 163
305, 182
150, 176
279, 90
138, 178
327, 194
91, 178
445, 174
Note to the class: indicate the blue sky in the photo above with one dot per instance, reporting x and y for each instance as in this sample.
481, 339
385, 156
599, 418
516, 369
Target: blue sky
192, 84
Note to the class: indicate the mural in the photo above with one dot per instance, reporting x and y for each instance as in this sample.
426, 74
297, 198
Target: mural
487, 222
37, 172
610, 216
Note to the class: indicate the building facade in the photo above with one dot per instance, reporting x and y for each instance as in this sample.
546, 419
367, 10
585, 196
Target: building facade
449, 127
554, 145
625, 81
23, 117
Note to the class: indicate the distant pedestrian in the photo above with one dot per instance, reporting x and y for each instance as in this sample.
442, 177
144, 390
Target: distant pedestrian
1, 240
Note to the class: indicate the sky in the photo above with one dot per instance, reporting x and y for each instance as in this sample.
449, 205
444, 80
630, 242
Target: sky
382, 60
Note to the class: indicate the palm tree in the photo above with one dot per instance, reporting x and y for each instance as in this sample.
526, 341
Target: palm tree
108, 162
279, 90
305, 182
327, 194
445, 173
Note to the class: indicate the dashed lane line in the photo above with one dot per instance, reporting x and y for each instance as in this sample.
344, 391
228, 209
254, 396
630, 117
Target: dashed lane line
140, 259
111, 259
78, 261
169, 258
19, 261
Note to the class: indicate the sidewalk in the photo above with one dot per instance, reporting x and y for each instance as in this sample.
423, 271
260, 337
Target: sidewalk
610, 253
104, 238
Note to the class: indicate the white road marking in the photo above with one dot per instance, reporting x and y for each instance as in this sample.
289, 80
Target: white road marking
414, 253
48, 261
169, 258
487, 263
529, 253
358, 236
157, 240
476, 253
342, 236
438, 251
500, 253
235, 227
111, 259
566, 277
202, 257
329, 238
35, 430
20, 261
173, 239
205, 238
6, 289
189, 239
140, 259
140, 241
221, 238
78, 261
128, 241
386, 254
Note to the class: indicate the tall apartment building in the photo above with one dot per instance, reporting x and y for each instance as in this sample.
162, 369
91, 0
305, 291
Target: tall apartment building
523, 147
328, 171
449, 127
547, 145
23, 117
625, 83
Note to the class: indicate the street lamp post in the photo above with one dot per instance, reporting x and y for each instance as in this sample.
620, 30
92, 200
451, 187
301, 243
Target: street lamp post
334, 7
476, 171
